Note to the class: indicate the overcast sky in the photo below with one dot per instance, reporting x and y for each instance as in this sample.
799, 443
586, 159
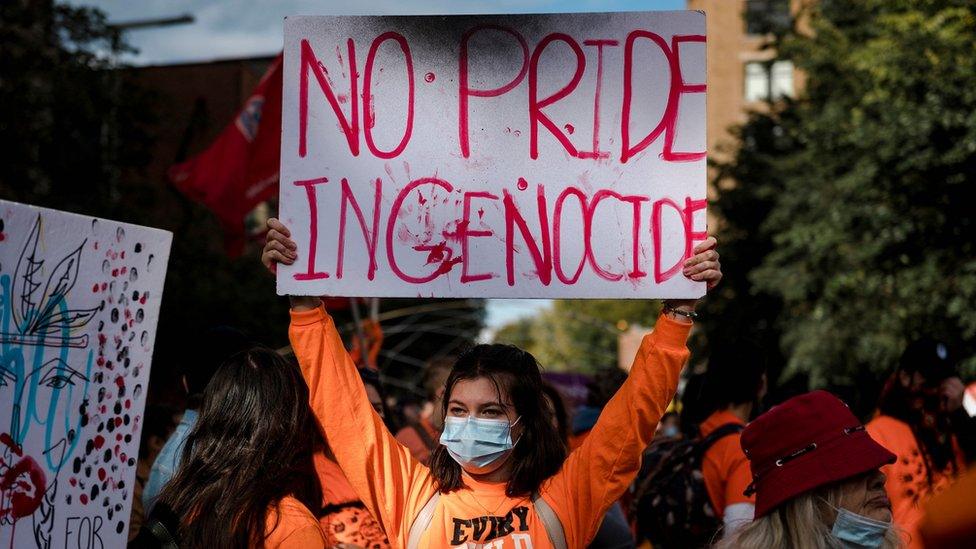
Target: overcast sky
240, 28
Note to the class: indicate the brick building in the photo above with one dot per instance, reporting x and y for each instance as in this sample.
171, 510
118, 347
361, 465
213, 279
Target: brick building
742, 74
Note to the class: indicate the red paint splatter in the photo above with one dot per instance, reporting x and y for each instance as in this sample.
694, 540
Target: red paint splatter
101, 473
436, 254
446, 266
123, 254
118, 421
98, 442
569, 129
120, 382
84, 499
104, 286
115, 272
95, 288
421, 199
124, 270
522, 184
142, 299
73, 481
429, 77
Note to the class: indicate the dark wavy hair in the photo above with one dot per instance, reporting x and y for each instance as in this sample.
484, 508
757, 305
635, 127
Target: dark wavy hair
540, 451
251, 446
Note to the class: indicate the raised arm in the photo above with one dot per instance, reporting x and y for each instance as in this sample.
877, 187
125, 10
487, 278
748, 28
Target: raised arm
597, 473
390, 482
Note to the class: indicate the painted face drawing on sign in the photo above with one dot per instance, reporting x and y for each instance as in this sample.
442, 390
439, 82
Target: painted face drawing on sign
556, 155
35, 376
67, 418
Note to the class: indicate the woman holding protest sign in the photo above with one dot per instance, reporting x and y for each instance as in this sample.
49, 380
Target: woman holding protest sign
501, 477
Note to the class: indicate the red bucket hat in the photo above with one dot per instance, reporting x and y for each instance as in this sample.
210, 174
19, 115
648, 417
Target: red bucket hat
804, 443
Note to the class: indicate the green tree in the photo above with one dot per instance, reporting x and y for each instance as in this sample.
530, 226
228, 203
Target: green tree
63, 114
578, 335
857, 194
517, 332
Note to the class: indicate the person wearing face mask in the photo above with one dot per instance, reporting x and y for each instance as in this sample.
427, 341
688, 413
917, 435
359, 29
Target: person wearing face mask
501, 477
816, 479
921, 420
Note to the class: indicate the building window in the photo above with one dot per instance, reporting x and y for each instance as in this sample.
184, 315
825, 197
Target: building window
757, 82
781, 80
768, 16
768, 80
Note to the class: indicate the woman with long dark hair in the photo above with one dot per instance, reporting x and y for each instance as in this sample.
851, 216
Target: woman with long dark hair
246, 478
921, 420
501, 477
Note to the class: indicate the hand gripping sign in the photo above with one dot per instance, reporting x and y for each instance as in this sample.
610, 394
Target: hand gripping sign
494, 156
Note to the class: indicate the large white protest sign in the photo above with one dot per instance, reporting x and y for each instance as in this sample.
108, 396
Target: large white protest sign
79, 301
494, 156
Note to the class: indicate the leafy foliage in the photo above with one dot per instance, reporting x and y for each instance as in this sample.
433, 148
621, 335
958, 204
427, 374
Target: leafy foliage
578, 335
848, 221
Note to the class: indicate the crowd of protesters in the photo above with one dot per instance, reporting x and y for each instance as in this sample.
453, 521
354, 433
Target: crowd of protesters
300, 450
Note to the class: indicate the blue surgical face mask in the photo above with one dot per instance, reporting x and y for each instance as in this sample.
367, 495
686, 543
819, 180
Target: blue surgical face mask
859, 531
477, 443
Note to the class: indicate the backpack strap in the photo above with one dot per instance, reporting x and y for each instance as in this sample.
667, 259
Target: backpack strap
422, 522
161, 528
554, 528
162, 534
719, 433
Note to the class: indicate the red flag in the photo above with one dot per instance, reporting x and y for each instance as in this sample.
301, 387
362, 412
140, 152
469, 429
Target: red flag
240, 169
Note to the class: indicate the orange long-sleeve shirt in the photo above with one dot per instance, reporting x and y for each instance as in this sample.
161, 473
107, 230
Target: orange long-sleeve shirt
907, 478
292, 526
395, 486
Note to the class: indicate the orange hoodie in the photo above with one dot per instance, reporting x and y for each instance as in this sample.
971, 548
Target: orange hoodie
395, 486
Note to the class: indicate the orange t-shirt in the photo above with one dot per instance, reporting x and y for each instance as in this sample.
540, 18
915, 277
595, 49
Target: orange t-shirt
292, 526
907, 482
344, 518
395, 486
950, 517
409, 437
725, 466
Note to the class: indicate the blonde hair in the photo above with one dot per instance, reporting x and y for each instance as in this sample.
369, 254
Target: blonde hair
800, 523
